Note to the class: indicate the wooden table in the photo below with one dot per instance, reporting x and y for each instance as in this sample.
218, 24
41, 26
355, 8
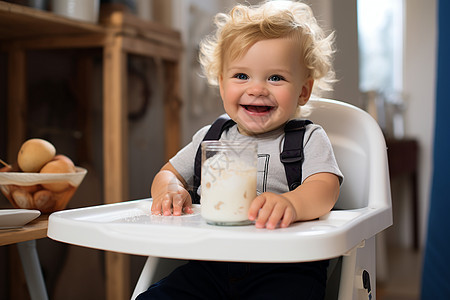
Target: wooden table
34, 230
25, 238
118, 35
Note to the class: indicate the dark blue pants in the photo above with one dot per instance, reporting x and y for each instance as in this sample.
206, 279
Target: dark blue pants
225, 280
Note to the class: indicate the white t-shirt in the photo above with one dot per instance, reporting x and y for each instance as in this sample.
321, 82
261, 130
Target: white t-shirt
318, 156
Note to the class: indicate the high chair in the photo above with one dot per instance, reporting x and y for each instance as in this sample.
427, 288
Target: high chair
346, 235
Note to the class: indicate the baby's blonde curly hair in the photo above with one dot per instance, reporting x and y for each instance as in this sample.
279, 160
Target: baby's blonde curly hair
245, 25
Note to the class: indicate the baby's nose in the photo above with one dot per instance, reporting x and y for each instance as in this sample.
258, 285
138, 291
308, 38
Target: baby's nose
257, 89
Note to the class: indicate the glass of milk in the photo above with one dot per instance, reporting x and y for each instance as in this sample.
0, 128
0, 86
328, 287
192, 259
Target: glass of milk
228, 184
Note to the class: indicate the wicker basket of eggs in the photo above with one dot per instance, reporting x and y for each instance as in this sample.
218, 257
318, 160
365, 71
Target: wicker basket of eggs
41, 179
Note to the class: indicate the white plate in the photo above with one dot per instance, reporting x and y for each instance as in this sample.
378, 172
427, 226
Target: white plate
13, 218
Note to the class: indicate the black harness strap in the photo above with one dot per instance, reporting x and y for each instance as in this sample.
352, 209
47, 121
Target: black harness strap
292, 156
215, 131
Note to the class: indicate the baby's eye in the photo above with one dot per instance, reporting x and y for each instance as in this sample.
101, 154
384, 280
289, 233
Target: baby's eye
241, 76
276, 78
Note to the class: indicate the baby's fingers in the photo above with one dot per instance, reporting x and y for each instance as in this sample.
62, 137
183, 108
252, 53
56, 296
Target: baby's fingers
260, 211
179, 201
255, 206
167, 205
288, 218
156, 207
274, 218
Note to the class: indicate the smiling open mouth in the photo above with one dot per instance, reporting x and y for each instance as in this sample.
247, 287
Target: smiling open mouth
257, 108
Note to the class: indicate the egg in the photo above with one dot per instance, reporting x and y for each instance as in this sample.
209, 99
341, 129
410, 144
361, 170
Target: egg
43, 200
35, 153
22, 198
30, 188
59, 164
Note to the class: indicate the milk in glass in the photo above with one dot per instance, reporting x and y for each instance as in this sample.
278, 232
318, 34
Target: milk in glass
228, 183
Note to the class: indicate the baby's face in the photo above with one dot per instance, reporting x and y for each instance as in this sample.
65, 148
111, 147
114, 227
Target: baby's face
262, 89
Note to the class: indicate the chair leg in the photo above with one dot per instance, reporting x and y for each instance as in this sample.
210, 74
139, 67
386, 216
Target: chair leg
146, 277
358, 272
347, 275
32, 269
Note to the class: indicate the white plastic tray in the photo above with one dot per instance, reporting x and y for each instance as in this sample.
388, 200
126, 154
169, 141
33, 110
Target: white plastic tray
129, 227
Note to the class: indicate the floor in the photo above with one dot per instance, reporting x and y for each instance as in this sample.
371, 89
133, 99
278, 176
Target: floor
404, 275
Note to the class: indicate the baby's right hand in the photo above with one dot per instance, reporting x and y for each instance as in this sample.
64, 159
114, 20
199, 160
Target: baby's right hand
178, 201
168, 195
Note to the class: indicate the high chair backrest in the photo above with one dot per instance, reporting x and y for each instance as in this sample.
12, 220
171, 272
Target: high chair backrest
359, 146
345, 237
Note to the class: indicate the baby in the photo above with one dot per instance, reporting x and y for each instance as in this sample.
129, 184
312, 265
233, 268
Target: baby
266, 60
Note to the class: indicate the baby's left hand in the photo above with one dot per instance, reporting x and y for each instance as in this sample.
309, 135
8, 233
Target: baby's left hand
268, 209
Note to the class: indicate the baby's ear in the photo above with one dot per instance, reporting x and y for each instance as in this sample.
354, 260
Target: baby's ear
306, 91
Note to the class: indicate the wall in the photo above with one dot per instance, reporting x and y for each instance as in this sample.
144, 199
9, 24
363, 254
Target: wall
202, 104
419, 86
346, 63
